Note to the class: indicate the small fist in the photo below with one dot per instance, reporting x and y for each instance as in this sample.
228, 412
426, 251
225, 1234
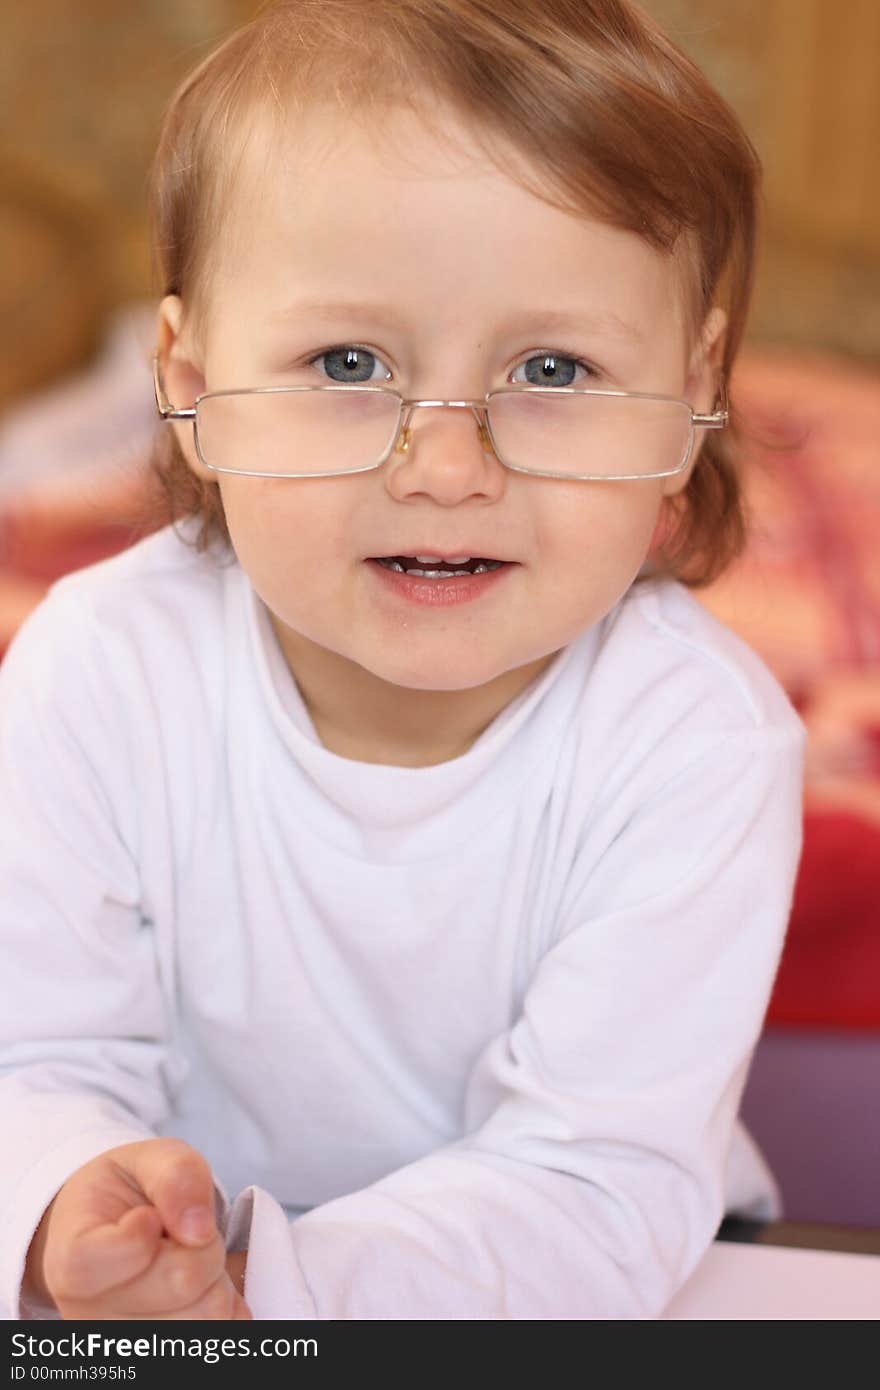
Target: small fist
132, 1234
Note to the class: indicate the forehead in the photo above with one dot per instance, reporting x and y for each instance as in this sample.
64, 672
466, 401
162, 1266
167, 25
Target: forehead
335, 204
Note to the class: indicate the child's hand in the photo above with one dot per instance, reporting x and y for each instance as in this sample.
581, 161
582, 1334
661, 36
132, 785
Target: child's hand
119, 1240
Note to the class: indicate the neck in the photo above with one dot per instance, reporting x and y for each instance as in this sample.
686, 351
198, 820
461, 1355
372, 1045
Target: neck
362, 717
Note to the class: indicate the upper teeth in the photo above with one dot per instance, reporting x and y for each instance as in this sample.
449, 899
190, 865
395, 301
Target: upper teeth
437, 559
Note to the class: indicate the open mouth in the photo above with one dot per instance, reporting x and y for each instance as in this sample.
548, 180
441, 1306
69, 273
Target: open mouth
409, 564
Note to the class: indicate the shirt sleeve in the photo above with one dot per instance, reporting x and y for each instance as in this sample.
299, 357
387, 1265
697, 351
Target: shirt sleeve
590, 1179
86, 1056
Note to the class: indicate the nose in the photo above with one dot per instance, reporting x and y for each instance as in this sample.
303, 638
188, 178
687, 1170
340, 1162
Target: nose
405, 437
437, 461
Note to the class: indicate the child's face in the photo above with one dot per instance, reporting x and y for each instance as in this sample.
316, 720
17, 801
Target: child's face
450, 252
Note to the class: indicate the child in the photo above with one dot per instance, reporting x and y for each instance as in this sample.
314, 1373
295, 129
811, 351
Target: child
415, 931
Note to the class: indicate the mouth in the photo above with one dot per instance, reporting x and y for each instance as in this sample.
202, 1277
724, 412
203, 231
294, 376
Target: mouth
432, 567
438, 584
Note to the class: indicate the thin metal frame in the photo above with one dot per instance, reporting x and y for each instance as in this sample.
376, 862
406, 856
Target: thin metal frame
715, 420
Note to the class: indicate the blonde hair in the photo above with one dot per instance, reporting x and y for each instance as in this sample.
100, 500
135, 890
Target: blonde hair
610, 118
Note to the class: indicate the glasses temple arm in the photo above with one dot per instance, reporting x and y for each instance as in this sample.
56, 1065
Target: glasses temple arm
166, 409
720, 416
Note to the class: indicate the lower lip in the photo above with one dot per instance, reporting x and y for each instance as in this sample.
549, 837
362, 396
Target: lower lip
440, 593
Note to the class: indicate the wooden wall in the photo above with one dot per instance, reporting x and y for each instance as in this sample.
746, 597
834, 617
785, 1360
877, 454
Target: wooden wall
804, 77
82, 87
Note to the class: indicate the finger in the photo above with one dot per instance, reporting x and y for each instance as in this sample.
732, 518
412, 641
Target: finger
178, 1277
218, 1302
178, 1181
97, 1259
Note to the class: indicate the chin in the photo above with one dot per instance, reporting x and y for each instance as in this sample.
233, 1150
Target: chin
440, 676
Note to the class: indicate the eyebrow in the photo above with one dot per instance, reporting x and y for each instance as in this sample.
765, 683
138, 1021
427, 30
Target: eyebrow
522, 321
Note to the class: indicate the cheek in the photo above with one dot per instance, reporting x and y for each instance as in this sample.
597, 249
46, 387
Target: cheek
278, 528
617, 522
260, 522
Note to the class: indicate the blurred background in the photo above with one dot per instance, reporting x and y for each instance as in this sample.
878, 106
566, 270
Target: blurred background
83, 84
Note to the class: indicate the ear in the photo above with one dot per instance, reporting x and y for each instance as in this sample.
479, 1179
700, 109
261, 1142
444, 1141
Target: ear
182, 377
701, 386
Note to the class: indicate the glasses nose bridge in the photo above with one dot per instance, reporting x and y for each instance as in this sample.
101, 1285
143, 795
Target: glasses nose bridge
479, 410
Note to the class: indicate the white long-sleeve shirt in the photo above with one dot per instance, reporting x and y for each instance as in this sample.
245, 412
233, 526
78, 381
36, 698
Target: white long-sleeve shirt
462, 1041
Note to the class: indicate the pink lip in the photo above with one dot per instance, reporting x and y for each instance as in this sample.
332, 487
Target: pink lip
441, 554
439, 593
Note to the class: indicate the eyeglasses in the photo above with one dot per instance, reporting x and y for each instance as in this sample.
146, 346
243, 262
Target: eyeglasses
555, 432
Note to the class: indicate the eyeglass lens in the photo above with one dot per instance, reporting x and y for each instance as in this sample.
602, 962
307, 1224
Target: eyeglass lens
325, 431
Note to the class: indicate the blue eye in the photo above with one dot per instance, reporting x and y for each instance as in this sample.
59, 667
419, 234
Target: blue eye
350, 365
546, 369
